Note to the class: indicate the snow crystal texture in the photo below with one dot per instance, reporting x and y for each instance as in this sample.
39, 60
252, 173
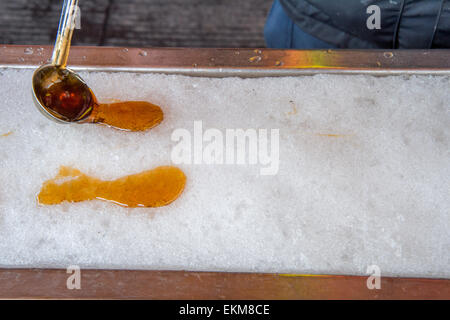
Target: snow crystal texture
364, 178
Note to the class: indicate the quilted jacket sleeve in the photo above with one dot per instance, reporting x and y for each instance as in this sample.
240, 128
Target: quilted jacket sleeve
404, 23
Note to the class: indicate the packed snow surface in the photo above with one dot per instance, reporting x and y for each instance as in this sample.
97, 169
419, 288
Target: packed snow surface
363, 177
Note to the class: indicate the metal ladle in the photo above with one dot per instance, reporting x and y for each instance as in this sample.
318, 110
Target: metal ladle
59, 93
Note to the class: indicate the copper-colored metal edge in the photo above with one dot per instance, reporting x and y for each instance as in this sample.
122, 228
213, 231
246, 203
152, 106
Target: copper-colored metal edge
235, 62
132, 284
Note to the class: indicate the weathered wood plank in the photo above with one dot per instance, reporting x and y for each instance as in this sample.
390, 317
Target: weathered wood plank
36, 21
194, 23
140, 23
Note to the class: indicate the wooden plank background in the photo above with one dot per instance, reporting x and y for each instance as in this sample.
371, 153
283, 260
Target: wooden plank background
140, 23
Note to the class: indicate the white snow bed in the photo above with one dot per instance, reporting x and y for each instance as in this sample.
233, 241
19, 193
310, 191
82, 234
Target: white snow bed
363, 179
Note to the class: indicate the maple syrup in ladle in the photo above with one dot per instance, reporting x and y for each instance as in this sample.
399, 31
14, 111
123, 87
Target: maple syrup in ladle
58, 92
61, 94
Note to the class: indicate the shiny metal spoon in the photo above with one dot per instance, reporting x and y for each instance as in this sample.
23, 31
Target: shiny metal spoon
59, 93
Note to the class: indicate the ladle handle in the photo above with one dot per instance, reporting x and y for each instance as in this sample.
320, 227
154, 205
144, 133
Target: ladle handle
65, 31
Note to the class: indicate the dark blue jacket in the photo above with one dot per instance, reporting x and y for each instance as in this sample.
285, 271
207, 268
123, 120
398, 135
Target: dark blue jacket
404, 23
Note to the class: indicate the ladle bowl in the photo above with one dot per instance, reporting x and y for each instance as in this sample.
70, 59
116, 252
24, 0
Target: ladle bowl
59, 93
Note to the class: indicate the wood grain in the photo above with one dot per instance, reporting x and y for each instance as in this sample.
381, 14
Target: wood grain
140, 23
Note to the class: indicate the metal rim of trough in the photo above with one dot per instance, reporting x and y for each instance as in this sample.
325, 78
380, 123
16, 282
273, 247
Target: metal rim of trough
237, 62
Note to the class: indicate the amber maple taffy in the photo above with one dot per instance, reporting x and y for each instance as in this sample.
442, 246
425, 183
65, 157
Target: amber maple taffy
153, 188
